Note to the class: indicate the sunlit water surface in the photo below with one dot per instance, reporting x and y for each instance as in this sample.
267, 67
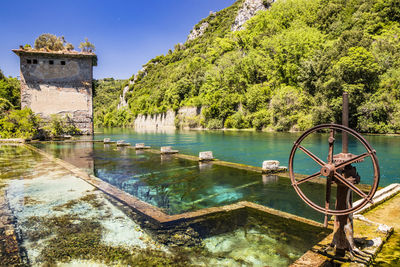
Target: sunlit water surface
179, 185
39, 190
252, 148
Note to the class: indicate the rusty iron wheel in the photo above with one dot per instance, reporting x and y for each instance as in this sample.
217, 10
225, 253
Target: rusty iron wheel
330, 169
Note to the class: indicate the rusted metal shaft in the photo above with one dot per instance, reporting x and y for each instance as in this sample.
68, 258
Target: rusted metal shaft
345, 122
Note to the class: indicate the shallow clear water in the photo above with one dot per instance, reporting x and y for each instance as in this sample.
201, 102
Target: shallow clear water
48, 201
39, 191
178, 185
253, 148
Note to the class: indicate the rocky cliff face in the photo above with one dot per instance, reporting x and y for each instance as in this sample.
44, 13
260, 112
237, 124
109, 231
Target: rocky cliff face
185, 117
122, 98
197, 32
249, 10
158, 121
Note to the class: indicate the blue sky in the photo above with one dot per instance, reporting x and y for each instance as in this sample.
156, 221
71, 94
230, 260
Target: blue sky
126, 34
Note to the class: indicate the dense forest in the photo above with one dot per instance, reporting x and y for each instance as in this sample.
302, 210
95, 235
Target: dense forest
285, 71
105, 102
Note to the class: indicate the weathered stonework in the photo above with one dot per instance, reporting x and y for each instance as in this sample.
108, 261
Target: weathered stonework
58, 83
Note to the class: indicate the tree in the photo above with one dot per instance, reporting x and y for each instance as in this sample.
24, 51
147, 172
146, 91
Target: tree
87, 46
9, 91
50, 42
69, 47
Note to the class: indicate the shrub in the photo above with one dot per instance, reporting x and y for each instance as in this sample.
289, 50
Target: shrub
19, 124
237, 120
214, 124
261, 119
59, 125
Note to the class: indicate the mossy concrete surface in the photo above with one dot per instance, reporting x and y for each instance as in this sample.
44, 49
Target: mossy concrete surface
388, 213
376, 234
65, 220
9, 248
57, 218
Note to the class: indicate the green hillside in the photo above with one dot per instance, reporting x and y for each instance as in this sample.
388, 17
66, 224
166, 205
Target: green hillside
105, 101
286, 71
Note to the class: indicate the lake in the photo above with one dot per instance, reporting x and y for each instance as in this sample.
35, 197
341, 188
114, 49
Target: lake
252, 148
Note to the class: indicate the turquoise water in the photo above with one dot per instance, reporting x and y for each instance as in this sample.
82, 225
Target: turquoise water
179, 185
253, 148
57, 213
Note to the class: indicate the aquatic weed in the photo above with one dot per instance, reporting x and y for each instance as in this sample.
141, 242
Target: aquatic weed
71, 237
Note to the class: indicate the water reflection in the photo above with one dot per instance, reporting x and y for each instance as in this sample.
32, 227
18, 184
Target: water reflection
253, 148
267, 179
177, 185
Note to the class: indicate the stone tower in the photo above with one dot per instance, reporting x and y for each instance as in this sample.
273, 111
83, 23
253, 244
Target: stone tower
58, 82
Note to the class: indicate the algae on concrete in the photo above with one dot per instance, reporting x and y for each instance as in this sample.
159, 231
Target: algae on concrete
63, 219
389, 214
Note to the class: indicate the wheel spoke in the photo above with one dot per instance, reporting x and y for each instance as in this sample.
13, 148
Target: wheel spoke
308, 178
311, 155
350, 185
356, 158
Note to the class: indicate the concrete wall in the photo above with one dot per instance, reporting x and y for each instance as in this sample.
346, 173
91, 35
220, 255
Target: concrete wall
58, 89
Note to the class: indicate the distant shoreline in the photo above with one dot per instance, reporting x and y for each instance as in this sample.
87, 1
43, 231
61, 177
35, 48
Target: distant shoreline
235, 130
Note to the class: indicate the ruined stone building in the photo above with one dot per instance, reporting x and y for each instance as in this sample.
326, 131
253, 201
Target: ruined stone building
58, 83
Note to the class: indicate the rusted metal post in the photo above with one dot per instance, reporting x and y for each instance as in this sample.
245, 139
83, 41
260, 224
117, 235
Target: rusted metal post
345, 122
343, 225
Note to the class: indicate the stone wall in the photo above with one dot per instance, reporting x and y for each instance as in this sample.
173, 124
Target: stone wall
58, 85
158, 121
169, 120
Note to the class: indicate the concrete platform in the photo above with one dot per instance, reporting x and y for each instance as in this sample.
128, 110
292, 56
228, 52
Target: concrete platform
373, 228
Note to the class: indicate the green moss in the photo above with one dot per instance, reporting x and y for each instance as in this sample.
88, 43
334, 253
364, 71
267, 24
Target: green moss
390, 253
90, 199
69, 237
31, 201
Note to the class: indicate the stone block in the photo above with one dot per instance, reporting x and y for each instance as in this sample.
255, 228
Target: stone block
165, 149
270, 165
122, 143
108, 141
141, 146
206, 155
168, 150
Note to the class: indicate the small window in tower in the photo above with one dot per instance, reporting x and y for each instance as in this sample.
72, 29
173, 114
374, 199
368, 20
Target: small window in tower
62, 62
51, 62
29, 61
35, 61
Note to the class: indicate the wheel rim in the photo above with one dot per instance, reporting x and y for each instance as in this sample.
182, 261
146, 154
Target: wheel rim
326, 167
